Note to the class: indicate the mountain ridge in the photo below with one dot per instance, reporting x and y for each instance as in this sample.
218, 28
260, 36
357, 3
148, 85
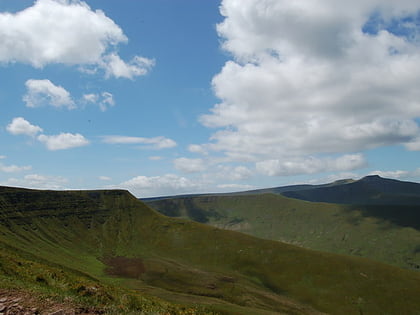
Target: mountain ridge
365, 228
371, 189
367, 190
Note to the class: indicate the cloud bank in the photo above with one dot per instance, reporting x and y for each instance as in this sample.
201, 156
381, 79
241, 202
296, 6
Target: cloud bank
314, 78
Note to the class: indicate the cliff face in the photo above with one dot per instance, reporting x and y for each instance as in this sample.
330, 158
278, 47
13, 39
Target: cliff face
26, 207
18, 203
71, 228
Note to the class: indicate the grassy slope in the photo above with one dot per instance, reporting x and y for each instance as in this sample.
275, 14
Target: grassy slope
48, 284
188, 262
328, 227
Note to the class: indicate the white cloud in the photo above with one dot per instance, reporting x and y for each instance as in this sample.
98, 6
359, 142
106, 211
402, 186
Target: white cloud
172, 184
116, 67
37, 181
105, 178
63, 141
305, 79
91, 98
103, 100
311, 165
68, 32
2, 157
169, 184
187, 165
155, 143
240, 173
196, 148
20, 126
393, 174
231, 173
399, 174
155, 158
44, 92
106, 101
14, 168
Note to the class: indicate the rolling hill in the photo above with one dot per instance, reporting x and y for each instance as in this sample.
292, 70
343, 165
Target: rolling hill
383, 223
372, 190
109, 249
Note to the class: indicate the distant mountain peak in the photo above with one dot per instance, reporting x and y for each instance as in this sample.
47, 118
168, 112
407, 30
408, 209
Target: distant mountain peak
372, 177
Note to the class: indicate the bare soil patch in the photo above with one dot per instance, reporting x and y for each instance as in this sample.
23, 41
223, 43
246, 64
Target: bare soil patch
124, 267
15, 302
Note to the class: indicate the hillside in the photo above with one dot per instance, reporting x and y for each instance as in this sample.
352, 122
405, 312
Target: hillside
372, 190
95, 245
390, 234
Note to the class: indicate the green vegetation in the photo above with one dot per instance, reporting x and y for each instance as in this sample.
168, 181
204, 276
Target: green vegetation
66, 243
52, 284
344, 229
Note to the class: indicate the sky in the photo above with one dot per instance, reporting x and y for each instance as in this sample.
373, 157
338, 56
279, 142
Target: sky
166, 97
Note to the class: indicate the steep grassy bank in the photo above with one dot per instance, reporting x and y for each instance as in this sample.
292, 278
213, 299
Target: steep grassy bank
115, 240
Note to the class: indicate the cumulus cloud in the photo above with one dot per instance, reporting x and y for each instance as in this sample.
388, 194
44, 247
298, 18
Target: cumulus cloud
20, 126
398, 174
187, 165
37, 181
14, 168
116, 67
67, 32
171, 184
311, 165
196, 148
90, 98
310, 78
240, 173
104, 100
63, 141
153, 143
151, 186
230, 173
44, 92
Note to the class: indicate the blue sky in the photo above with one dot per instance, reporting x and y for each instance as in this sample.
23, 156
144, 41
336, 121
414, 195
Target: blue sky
169, 97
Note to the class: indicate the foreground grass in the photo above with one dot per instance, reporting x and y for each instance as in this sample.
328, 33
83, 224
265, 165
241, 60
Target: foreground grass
49, 285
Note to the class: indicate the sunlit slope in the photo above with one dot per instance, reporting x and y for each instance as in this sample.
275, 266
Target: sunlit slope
370, 231
104, 233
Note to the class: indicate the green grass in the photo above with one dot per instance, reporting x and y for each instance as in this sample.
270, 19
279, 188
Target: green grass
184, 262
321, 226
23, 273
